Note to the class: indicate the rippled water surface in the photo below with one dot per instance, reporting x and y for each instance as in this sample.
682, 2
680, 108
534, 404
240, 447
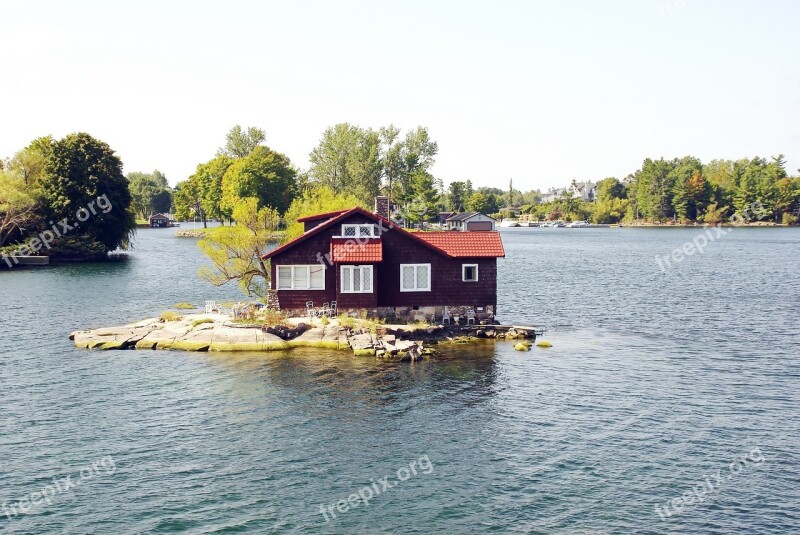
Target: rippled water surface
660, 383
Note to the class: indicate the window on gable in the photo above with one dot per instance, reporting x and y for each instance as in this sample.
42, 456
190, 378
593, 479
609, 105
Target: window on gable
415, 277
358, 231
356, 279
307, 277
469, 272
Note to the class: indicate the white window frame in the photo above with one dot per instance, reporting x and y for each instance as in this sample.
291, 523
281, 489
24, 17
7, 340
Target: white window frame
358, 228
417, 287
464, 272
292, 268
349, 270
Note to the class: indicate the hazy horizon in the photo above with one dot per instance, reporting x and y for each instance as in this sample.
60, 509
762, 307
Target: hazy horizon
534, 92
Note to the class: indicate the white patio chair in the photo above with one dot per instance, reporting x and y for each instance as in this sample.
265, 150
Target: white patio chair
311, 312
211, 306
470, 316
446, 317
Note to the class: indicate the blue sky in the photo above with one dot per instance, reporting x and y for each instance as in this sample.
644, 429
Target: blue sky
541, 92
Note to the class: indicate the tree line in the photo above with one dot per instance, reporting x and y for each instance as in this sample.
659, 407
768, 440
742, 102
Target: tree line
684, 190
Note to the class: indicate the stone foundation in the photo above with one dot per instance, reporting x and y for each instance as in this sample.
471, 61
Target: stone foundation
432, 314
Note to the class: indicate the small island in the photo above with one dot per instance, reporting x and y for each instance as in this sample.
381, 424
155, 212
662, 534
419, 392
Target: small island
364, 337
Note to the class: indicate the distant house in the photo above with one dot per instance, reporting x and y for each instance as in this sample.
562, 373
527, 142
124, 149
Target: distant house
585, 191
470, 221
365, 262
160, 221
443, 217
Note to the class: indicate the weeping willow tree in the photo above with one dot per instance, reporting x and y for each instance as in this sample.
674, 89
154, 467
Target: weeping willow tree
235, 252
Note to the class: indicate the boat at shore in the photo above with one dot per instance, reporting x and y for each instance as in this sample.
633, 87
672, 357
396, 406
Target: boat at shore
508, 223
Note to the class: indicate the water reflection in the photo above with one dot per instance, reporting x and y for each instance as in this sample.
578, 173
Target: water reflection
467, 376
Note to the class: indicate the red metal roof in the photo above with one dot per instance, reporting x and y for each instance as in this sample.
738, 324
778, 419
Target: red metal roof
465, 244
317, 217
353, 252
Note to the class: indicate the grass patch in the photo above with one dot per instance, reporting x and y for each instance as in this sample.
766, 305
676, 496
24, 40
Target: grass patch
170, 316
184, 306
347, 322
272, 317
195, 323
324, 320
420, 325
248, 321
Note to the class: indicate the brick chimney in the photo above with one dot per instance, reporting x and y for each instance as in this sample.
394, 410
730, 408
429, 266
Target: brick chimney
382, 206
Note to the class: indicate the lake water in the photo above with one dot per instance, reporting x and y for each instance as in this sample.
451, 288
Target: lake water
658, 384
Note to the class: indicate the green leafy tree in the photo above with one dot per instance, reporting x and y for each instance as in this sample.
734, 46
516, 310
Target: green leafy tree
188, 201
478, 202
147, 189
348, 159
265, 175
653, 189
208, 178
610, 188
458, 196
609, 210
16, 205
29, 163
319, 200
79, 171
235, 252
425, 200
392, 159
788, 196
492, 204
162, 201
240, 143
419, 153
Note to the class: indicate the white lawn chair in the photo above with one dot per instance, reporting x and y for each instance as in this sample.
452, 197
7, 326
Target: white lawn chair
311, 312
211, 307
470, 316
446, 317
333, 309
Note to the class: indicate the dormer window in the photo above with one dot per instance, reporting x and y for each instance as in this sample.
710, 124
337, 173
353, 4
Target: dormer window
358, 231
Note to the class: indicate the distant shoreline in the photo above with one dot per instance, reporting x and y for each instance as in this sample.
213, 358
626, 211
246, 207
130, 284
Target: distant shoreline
761, 224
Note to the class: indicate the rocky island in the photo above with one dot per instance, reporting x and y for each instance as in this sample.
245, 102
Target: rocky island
217, 332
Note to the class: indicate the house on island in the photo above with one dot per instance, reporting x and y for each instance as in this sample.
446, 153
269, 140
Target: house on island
470, 221
364, 262
160, 221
